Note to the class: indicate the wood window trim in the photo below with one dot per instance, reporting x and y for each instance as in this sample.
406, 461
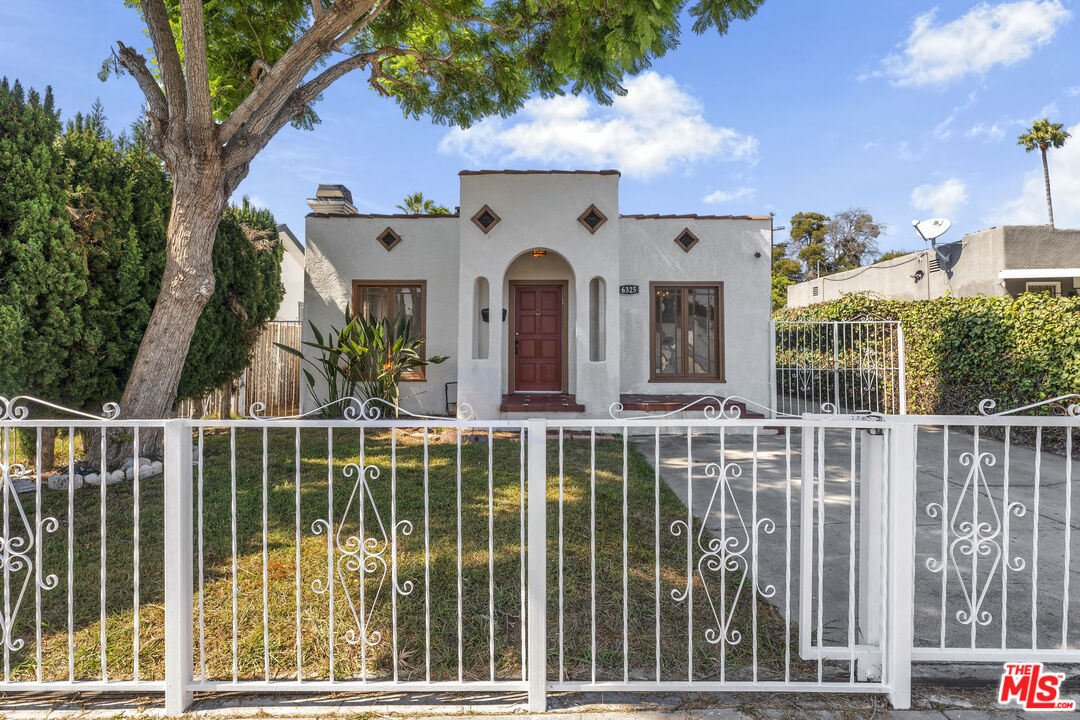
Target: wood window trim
718, 346
392, 233
564, 286
357, 285
476, 219
595, 210
694, 239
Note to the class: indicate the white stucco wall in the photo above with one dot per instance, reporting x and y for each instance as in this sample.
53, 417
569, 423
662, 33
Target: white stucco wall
292, 277
341, 249
725, 253
539, 210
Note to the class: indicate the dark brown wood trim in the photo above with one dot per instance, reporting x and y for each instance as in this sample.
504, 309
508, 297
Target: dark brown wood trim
592, 209
476, 219
512, 323
391, 232
719, 347
421, 374
694, 239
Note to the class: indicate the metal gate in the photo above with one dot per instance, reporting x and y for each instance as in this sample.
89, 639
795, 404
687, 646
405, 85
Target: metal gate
850, 366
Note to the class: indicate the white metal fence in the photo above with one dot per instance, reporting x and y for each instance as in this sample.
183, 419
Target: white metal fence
824, 553
846, 366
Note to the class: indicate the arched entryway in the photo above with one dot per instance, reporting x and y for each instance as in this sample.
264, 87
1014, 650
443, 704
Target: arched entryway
539, 288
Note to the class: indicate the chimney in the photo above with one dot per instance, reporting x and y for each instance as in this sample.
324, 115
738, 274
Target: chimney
332, 200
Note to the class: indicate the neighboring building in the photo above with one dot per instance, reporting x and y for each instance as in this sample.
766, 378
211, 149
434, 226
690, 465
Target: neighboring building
548, 300
292, 276
1005, 260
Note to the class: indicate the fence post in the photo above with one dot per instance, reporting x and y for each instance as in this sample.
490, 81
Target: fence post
178, 567
836, 364
901, 362
537, 557
871, 485
806, 543
900, 575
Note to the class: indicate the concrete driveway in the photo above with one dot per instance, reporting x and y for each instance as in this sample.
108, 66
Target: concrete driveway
1034, 568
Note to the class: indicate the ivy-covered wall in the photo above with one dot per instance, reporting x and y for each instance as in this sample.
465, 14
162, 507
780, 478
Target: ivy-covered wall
1014, 351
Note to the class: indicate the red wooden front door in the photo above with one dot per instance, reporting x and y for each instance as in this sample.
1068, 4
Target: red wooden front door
538, 338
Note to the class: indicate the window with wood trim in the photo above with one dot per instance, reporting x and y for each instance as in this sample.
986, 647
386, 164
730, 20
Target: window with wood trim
687, 332
390, 299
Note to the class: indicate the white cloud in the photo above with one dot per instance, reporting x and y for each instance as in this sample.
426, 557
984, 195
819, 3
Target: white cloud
1048, 110
726, 196
987, 133
987, 35
1029, 207
941, 199
1073, 91
655, 124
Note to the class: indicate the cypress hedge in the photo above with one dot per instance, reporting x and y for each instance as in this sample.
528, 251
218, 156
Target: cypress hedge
83, 216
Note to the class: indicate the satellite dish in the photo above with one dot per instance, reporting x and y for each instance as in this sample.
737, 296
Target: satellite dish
931, 229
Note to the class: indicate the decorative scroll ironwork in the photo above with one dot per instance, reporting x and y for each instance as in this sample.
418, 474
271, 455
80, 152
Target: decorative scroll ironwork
987, 405
15, 409
715, 408
15, 552
356, 409
976, 539
366, 555
726, 553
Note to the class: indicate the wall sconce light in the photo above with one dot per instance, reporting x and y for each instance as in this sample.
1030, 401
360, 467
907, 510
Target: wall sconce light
918, 275
485, 314
539, 253
757, 254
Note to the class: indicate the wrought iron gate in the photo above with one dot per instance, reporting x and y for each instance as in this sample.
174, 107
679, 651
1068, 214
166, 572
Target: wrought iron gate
850, 366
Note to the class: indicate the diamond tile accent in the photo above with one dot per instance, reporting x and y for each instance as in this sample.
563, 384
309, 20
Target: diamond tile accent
485, 219
592, 219
686, 239
388, 238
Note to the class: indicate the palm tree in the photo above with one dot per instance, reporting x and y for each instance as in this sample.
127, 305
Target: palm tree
1044, 135
415, 204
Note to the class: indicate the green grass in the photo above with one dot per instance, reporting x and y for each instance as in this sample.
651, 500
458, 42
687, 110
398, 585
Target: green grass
352, 659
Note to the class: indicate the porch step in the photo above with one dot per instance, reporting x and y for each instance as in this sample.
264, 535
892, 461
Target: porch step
690, 403
540, 403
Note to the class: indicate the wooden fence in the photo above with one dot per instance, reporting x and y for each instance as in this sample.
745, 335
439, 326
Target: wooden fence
272, 378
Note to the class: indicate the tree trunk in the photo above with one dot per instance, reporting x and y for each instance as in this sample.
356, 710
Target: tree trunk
1046, 180
198, 201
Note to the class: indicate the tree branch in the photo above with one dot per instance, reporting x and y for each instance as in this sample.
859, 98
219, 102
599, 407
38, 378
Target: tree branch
316, 8
200, 112
275, 86
168, 59
135, 64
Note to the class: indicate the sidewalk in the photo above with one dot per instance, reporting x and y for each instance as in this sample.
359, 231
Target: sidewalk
929, 702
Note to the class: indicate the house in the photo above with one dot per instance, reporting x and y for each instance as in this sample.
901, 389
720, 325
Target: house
292, 276
1006, 260
549, 300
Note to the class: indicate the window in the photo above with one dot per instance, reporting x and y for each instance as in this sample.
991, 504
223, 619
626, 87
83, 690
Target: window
1054, 288
390, 298
592, 218
687, 332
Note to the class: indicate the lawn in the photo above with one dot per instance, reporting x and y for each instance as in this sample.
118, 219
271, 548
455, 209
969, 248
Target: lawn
266, 642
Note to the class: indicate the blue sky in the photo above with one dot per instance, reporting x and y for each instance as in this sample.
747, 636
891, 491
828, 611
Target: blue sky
909, 109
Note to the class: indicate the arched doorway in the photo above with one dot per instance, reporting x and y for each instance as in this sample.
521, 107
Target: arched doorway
539, 287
